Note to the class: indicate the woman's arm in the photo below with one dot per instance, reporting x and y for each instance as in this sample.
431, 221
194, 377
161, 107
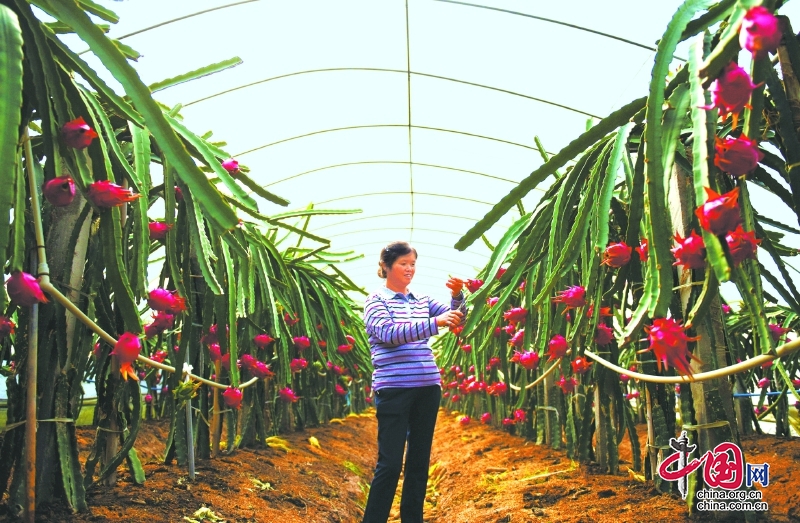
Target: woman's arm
379, 323
457, 303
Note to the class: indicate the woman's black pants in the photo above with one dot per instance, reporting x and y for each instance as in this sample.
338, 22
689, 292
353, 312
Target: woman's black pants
404, 415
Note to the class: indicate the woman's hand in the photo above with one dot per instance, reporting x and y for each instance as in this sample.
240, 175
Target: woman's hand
455, 285
449, 319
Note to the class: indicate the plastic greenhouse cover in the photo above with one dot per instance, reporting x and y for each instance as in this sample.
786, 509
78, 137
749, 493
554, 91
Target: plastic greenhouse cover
421, 113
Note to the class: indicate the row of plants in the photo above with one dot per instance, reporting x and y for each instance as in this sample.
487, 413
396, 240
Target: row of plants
240, 313
614, 277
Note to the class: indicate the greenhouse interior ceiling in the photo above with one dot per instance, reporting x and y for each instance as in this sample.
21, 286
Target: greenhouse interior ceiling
422, 114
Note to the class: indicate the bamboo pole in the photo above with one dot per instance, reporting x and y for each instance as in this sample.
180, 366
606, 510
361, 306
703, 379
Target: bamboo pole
30, 410
216, 419
39, 266
750, 363
652, 451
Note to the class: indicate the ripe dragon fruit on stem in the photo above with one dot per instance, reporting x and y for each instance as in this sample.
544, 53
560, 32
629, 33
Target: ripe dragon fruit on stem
557, 348
107, 194
528, 359
731, 91
668, 341
77, 133
59, 191
232, 397
126, 350
24, 290
617, 255
231, 165
7, 327
580, 365
643, 250
572, 297
737, 156
301, 342
518, 338
760, 32
777, 332
167, 301
690, 251
567, 384
298, 364
214, 352
497, 389
742, 245
158, 231
261, 370
603, 335
515, 315
262, 341
720, 213
474, 285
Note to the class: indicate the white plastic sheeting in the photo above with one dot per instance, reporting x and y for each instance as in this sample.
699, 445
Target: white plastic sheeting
421, 113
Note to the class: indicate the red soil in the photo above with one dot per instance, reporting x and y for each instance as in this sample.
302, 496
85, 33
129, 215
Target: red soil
481, 475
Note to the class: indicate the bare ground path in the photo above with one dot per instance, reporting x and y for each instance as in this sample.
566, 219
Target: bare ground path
480, 475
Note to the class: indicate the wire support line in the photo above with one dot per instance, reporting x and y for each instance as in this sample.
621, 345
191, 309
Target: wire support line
395, 162
390, 215
364, 263
559, 22
437, 245
387, 125
392, 193
386, 70
410, 141
411, 228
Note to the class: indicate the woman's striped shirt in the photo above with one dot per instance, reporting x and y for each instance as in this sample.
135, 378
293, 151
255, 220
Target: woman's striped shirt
399, 327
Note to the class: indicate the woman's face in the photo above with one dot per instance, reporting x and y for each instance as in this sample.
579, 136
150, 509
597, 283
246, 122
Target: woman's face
402, 271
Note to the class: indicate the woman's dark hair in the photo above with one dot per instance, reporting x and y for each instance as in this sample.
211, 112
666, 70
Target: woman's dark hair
390, 253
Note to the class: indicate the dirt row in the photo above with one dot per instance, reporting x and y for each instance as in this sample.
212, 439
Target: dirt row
479, 474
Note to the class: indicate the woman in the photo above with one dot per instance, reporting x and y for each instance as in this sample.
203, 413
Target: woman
406, 380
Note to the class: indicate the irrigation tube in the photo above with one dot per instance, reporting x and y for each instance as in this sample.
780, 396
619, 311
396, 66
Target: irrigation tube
753, 394
755, 361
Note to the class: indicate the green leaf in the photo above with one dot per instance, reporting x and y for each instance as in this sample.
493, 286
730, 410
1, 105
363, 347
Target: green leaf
658, 288
211, 160
111, 234
17, 262
124, 73
99, 11
260, 191
10, 111
607, 191
497, 258
580, 144
258, 215
69, 58
702, 143
313, 212
727, 49
195, 74
61, 28
205, 254
578, 231
126, 50
788, 134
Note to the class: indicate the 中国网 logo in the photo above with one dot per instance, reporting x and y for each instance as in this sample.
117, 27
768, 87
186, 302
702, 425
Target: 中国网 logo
724, 471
